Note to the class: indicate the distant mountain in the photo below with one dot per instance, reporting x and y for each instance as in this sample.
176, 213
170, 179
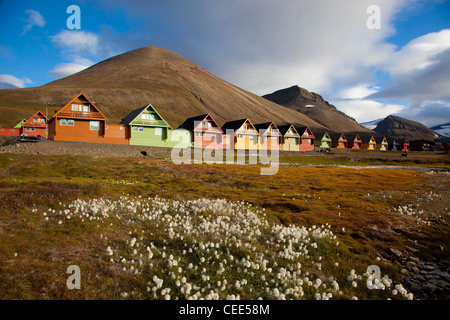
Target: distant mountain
401, 128
315, 107
442, 129
371, 124
175, 86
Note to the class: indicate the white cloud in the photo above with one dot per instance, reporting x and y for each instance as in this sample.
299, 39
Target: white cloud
357, 92
77, 42
66, 69
8, 81
34, 19
367, 110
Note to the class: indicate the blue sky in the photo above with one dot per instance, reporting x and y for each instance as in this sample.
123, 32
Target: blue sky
260, 45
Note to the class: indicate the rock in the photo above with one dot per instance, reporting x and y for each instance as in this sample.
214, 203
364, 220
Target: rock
404, 271
413, 250
411, 265
415, 269
415, 259
416, 287
398, 253
429, 287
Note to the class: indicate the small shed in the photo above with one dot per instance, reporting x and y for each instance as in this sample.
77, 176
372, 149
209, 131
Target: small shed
403, 145
393, 144
354, 141
35, 126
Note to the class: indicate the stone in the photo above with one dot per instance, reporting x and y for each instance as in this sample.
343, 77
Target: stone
398, 253
404, 271
429, 287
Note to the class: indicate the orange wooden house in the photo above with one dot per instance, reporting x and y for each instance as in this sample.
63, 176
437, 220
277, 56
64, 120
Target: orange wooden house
339, 141
35, 126
80, 120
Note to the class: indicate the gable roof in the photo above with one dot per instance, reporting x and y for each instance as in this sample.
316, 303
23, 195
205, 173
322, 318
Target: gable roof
326, 137
338, 136
353, 136
189, 124
301, 130
265, 126
81, 94
236, 124
135, 113
285, 128
37, 114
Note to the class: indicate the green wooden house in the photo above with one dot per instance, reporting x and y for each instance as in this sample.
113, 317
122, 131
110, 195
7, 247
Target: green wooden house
325, 142
148, 128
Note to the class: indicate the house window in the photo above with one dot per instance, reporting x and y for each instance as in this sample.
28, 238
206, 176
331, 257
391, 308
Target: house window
135, 129
35, 119
86, 108
239, 135
152, 117
145, 116
71, 122
63, 122
121, 128
198, 134
42, 120
13, 130
94, 125
203, 124
158, 131
3, 130
251, 138
141, 129
74, 107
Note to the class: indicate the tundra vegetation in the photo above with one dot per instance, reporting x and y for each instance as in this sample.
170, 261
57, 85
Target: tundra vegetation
149, 229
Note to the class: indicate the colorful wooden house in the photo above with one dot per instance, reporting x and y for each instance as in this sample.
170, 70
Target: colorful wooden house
80, 120
269, 136
325, 142
35, 126
393, 144
148, 128
339, 141
9, 131
403, 145
354, 141
241, 134
382, 142
290, 139
307, 138
205, 132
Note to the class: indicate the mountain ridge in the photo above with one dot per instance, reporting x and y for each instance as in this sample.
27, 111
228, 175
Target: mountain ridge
174, 85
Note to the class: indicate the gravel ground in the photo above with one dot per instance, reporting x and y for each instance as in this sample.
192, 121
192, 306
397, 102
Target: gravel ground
96, 150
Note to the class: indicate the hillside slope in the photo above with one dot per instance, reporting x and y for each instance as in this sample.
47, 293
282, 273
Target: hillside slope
315, 107
177, 87
401, 128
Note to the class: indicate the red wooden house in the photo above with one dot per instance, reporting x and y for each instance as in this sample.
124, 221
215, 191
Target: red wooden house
206, 133
354, 141
35, 126
307, 139
403, 145
80, 120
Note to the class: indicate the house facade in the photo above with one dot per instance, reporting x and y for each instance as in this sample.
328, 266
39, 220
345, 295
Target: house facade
354, 142
307, 139
339, 141
204, 131
80, 120
35, 126
325, 142
290, 139
269, 136
241, 134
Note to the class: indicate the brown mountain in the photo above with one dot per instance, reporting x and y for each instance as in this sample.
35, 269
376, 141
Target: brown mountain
315, 107
401, 128
177, 87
